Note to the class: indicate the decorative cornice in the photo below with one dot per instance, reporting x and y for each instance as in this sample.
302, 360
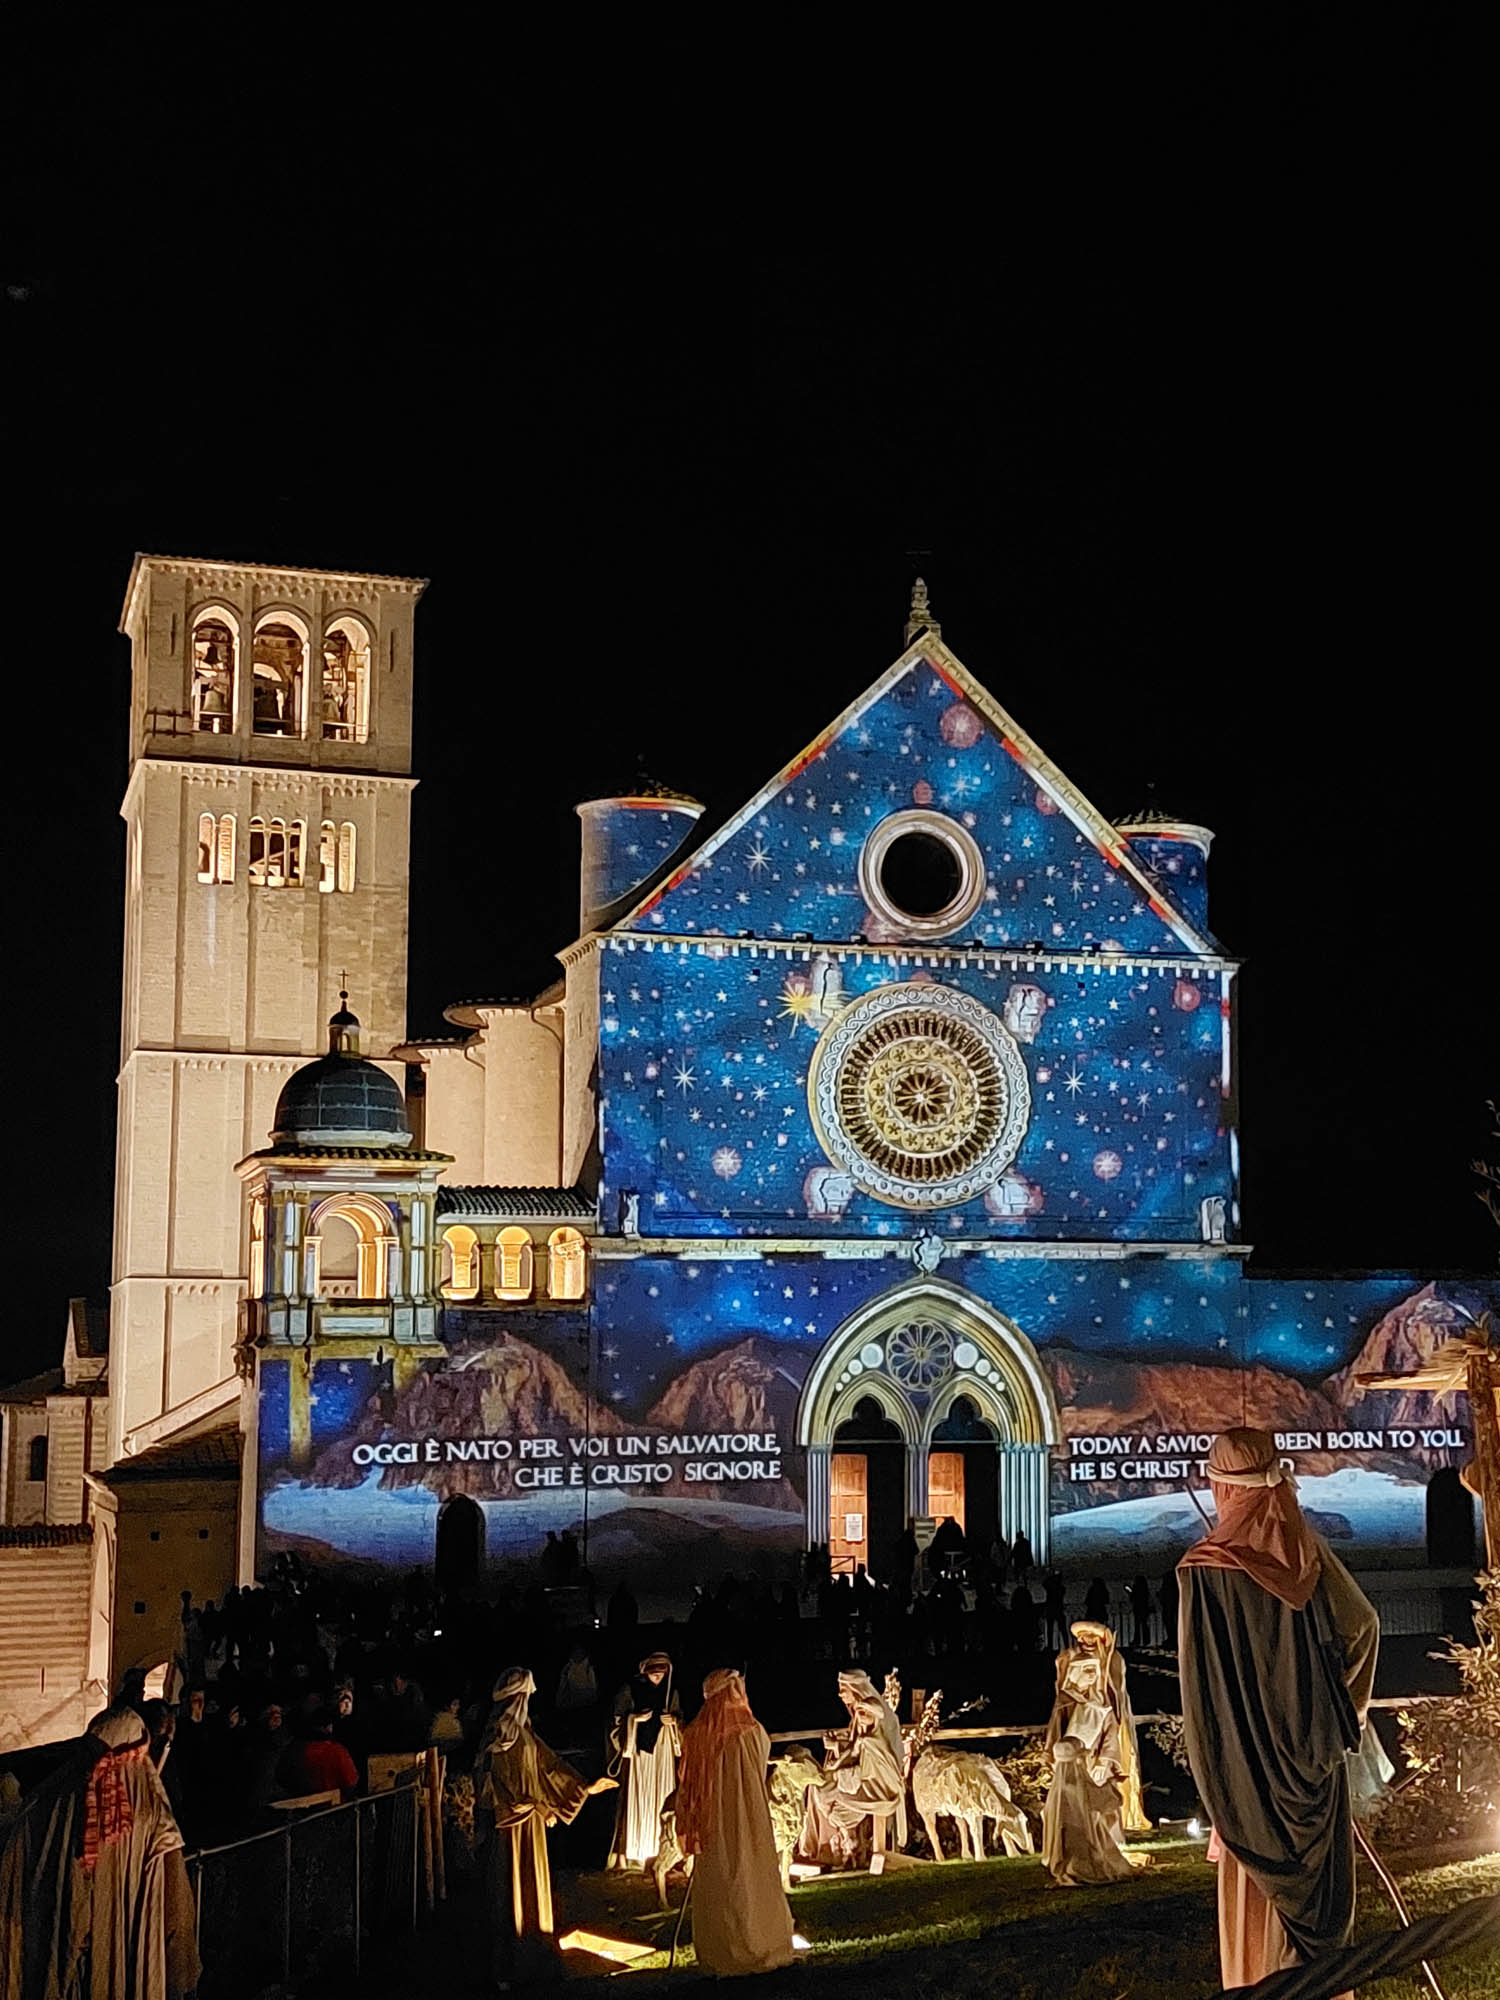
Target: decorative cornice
573, 954
1152, 825
370, 781
901, 1249
208, 573
901, 957
258, 1059
222, 777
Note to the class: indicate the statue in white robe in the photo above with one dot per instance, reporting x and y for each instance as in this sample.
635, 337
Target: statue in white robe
1083, 1835
864, 1778
646, 1740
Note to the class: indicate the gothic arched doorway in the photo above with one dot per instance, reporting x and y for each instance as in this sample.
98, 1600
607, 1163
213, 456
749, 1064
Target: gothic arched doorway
963, 1482
1450, 1521
920, 1352
867, 1498
460, 1543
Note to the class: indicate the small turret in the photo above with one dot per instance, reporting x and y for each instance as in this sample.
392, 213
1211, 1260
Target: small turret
1176, 852
626, 839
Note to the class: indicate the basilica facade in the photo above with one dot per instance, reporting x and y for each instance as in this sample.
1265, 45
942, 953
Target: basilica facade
873, 1160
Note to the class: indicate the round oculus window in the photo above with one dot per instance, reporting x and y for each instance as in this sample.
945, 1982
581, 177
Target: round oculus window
922, 873
920, 1094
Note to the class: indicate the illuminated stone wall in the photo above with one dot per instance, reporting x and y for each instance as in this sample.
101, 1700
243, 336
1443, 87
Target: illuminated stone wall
229, 981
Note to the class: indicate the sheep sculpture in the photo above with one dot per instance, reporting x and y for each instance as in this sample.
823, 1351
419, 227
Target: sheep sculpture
791, 1775
971, 1789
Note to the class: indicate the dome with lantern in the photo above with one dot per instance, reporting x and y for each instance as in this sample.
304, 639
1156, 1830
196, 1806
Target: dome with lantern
341, 1099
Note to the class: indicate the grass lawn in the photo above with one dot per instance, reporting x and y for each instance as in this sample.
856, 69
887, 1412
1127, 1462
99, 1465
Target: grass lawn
997, 1927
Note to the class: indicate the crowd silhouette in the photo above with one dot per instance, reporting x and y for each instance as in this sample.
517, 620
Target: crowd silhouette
285, 1689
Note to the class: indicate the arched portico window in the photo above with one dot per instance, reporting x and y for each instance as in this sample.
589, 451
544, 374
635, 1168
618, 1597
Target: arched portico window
332, 1225
460, 1279
566, 1264
513, 1264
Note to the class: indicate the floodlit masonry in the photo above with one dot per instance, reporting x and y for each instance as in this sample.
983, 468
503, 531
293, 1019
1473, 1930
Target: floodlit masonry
874, 1158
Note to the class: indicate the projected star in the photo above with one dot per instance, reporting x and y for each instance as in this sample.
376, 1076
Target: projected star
684, 1078
799, 1003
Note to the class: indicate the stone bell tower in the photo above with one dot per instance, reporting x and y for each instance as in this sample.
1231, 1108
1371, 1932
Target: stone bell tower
268, 822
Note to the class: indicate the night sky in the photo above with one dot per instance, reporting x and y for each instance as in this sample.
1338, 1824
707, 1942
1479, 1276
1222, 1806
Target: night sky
1165, 371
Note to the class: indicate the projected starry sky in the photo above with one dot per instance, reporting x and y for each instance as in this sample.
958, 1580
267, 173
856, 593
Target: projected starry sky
705, 1046
792, 867
654, 1315
703, 1076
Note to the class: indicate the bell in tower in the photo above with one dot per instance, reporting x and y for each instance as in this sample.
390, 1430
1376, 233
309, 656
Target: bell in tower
213, 678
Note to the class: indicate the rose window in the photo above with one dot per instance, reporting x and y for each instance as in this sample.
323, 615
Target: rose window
919, 1354
920, 1094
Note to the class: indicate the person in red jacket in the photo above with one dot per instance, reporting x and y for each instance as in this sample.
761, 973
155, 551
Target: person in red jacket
318, 1763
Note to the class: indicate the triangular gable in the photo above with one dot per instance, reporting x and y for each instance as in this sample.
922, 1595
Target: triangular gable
1061, 878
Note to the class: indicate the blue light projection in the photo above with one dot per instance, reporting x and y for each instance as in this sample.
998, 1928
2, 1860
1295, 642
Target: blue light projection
1182, 869
626, 841
704, 1111
655, 1314
793, 867
661, 1418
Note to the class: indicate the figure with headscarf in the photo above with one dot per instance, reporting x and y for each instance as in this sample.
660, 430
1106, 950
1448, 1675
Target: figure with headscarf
95, 1902
520, 1789
646, 1744
1277, 1647
864, 1777
1095, 1766
741, 1919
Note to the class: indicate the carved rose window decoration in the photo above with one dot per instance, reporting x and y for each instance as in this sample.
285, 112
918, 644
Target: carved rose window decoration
920, 1094
919, 1354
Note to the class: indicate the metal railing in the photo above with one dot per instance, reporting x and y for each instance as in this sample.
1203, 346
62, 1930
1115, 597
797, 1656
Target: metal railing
310, 1895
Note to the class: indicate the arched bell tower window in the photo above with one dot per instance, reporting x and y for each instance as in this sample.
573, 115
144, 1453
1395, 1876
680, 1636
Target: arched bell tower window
336, 857
565, 1264
460, 1262
513, 1264
346, 682
351, 1236
214, 649
276, 847
215, 848
279, 669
